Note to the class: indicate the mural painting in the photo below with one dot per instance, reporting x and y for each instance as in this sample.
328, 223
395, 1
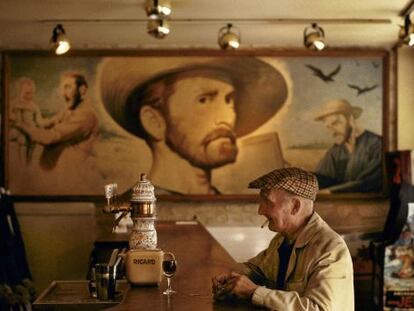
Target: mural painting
196, 125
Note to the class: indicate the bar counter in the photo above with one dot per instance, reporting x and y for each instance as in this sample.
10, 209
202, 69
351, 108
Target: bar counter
199, 258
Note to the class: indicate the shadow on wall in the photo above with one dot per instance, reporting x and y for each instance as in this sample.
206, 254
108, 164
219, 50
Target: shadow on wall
242, 243
58, 240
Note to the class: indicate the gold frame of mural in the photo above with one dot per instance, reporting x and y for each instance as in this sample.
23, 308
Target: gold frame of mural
326, 75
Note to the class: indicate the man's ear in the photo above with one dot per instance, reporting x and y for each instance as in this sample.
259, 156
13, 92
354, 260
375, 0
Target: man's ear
296, 205
153, 122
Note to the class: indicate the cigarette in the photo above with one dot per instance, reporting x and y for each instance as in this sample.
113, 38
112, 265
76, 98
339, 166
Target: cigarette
264, 224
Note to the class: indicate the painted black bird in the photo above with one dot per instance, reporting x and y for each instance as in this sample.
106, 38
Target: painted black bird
362, 90
320, 74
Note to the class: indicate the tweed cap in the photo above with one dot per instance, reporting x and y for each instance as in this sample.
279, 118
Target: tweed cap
292, 179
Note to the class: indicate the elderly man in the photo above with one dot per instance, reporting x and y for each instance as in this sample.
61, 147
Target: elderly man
307, 266
72, 131
353, 163
190, 111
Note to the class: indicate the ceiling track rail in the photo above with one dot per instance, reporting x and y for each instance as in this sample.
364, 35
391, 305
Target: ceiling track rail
408, 9
279, 21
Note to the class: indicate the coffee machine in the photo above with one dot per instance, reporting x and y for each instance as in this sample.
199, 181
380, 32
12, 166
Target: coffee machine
143, 260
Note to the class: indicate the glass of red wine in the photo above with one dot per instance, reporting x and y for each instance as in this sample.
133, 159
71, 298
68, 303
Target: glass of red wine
169, 266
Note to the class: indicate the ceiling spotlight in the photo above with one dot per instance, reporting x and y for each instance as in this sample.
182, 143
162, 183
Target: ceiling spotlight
59, 42
158, 28
157, 9
406, 33
227, 39
314, 38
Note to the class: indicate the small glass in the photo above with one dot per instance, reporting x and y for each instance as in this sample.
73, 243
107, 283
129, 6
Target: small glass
169, 267
105, 281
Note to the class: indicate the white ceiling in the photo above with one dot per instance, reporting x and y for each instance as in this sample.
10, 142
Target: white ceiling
121, 24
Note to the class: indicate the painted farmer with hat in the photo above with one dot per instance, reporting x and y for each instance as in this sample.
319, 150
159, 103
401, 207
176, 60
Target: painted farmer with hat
307, 266
190, 111
353, 163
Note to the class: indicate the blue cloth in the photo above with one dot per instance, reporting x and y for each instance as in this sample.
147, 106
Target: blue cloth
17, 289
285, 250
360, 171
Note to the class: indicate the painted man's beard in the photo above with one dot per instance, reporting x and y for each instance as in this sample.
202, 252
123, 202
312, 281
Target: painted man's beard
75, 101
342, 138
218, 148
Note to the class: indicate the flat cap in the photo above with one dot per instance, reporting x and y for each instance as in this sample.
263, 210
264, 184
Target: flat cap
292, 179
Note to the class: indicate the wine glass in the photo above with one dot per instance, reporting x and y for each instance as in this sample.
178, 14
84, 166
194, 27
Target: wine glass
169, 266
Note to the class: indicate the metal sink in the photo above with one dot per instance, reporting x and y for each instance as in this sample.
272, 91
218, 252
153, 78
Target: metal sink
74, 295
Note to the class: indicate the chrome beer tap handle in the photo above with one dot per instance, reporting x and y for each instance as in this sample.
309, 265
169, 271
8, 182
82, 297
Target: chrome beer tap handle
113, 204
111, 193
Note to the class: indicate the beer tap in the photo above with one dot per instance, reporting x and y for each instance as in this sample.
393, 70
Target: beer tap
142, 209
143, 260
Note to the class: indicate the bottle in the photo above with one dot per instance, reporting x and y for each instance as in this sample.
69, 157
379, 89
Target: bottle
92, 284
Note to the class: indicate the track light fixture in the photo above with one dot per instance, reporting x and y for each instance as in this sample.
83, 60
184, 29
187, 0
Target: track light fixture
158, 28
406, 33
158, 9
227, 39
59, 42
314, 38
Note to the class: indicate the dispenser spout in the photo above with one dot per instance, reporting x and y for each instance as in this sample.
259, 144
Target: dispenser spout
118, 219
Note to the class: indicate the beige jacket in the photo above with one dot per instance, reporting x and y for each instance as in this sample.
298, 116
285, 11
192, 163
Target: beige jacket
319, 274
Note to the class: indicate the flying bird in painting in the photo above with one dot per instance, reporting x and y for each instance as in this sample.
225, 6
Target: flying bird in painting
362, 90
320, 74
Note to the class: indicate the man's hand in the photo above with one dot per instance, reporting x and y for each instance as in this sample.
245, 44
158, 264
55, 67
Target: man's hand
220, 279
220, 290
21, 126
241, 286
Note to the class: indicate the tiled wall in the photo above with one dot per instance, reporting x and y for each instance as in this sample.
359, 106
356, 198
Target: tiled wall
344, 216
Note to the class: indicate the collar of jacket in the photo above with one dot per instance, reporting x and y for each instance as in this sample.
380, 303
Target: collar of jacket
312, 227
308, 231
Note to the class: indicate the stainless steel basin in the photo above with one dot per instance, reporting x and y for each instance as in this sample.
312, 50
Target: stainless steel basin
74, 295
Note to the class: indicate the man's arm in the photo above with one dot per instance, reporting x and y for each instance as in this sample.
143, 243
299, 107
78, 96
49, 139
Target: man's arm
329, 287
368, 174
251, 272
77, 126
326, 170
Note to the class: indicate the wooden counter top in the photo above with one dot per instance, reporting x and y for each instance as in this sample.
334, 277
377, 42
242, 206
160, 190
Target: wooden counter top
199, 258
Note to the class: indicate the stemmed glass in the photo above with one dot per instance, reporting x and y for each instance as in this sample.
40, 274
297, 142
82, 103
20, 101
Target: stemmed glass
169, 266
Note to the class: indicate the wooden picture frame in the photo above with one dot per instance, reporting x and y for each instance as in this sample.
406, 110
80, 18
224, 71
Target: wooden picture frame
270, 130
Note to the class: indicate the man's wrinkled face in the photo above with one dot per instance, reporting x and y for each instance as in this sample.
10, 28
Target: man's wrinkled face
70, 91
276, 207
340, 127
201, 120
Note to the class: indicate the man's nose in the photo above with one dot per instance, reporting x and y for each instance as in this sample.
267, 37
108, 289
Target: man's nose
260, 210
225, 114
